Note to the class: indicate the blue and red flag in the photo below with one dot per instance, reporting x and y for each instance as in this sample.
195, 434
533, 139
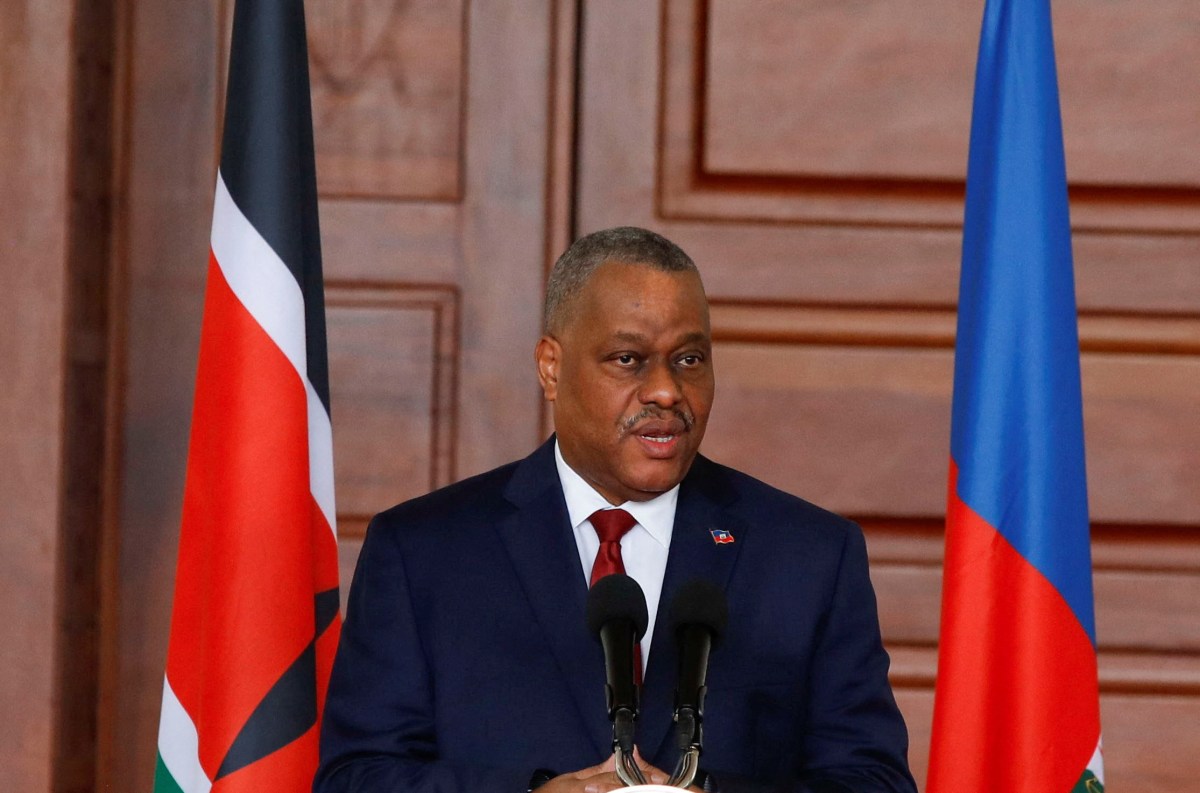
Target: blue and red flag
1017, 701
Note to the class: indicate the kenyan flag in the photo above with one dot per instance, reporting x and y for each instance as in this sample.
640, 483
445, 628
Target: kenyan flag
255, 620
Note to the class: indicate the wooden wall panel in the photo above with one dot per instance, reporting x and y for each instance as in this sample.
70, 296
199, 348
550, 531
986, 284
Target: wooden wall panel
392, 370
1149, 637
387, 87
901, 152
811, 156
53, 191
883, 89
167, 110
862, 430
831, 74
863, 397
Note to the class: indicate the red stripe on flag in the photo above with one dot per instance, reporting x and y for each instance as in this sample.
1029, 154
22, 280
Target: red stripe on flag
325, 557
1015, 708
245, 584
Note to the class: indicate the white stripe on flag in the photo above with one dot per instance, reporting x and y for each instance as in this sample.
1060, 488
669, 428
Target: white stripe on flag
179, 744
269, 291
320, 457
1096, 764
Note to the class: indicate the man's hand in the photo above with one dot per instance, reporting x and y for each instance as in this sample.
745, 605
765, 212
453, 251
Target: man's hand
597, 779
603, 778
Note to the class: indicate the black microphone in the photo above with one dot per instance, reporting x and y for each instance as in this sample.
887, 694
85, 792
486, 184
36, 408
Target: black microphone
616, 615
698, 616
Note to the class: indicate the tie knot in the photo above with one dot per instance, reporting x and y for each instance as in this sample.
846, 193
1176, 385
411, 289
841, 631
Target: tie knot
611, 524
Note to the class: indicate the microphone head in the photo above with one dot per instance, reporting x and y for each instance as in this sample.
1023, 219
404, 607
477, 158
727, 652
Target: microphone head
617, 597
701, 603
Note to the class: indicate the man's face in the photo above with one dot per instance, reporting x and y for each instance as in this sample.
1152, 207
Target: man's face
631, 378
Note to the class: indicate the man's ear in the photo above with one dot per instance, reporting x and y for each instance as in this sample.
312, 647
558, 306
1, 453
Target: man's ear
548, 355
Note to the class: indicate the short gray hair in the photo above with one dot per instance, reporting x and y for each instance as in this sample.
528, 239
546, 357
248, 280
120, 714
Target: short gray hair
627, 244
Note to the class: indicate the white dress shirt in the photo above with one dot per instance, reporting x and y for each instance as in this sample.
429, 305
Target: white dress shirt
643, 548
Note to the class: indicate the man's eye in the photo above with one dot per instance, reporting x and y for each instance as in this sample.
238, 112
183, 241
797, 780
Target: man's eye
690, 360
626, 359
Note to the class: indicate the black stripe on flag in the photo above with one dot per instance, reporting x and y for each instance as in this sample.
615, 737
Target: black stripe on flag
290, 708
267, 158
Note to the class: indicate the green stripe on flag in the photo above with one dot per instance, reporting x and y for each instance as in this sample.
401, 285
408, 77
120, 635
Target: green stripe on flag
163, 781
1088, 783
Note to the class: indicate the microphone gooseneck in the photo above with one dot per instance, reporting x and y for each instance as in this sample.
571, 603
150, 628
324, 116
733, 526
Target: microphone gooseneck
698, 617
616, 615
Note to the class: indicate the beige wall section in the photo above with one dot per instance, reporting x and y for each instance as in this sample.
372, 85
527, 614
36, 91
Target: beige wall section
34, 115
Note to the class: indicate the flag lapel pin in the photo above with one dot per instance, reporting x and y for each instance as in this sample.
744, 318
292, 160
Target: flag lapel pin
720, 536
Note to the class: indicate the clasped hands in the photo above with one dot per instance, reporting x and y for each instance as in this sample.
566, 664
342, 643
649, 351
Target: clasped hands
603, 778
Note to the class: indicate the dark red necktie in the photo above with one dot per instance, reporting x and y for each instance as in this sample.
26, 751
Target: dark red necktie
611, 525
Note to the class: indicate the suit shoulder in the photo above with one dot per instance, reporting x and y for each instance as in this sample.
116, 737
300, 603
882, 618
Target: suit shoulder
766, 505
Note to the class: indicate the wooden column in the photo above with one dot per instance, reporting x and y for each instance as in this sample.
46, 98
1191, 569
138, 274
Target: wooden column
35, 91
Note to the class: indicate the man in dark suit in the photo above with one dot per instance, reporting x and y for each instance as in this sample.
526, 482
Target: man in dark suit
465, 663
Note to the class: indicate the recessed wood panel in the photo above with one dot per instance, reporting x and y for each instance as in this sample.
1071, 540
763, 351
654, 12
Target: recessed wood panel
387, 90
1147, 736
827, 112
857, 430
884, 88
1145, 739
867, 88
1149, 636
1146, 273
1149, 742
392, 368
851, 408
389, 241
1150, 611
1143, 446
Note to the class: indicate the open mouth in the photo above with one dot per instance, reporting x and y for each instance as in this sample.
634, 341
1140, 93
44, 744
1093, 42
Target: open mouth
663, 439
659, 435
659, 443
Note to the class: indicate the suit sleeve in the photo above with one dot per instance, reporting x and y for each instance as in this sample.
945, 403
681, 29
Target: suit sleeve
378, 731
853, 738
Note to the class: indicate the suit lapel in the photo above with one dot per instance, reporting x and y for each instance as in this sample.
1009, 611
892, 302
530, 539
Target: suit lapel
539, 542
693, 554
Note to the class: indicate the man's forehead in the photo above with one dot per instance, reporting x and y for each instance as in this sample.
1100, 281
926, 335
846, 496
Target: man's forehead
636, 337
620, 296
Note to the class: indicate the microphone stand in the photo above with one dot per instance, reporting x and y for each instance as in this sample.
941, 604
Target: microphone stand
623, 729
688, 737
699, 614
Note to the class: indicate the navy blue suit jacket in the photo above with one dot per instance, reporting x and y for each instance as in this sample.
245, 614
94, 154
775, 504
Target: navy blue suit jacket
465, 662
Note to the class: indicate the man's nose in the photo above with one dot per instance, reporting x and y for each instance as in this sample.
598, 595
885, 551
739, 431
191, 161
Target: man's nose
661, 387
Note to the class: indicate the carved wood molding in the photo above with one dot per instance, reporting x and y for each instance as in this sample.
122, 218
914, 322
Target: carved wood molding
442, 304
691, 189
784, 322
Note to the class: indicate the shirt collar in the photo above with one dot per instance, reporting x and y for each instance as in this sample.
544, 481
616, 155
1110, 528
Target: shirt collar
656, 516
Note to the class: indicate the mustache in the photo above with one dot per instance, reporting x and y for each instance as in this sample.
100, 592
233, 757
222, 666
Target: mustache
685, 417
